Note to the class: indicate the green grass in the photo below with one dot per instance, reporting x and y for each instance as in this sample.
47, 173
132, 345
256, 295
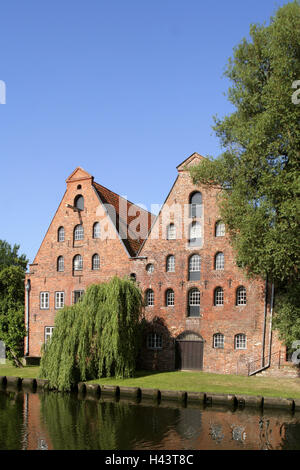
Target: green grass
24, 372
211, 383
190, 381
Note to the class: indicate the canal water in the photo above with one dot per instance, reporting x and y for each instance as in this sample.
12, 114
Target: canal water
49, 420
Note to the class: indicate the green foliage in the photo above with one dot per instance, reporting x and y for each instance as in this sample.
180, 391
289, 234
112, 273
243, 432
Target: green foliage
287, 315
12, 293
96, 337
258, 172
12, 329
9, 256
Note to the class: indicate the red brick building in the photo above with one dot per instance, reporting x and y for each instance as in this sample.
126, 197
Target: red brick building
201, 310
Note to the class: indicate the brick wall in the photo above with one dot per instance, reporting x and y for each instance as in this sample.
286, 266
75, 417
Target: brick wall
169, 322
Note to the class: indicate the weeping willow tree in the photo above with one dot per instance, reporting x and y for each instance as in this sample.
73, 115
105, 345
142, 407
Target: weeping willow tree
96, 337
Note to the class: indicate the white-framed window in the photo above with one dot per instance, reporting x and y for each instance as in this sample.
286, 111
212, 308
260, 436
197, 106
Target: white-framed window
60, 264
219, 261
171, 232
194, 303
170, 298
154, 341
219, 296
196, 205
149, 298
59, 299
95, 262
218, 341
194, 297
77, 295
240, 341
96, 230
195, 234
78, 232
150, 268
194, 267
61, 234
241, 296
220, 229
77, 263
170, 264
44, 300
48, 333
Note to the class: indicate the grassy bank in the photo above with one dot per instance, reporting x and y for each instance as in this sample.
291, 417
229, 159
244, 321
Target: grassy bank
24, 372
190, 381
211, 383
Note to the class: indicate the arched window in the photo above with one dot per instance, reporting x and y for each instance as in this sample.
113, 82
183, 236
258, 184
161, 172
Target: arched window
194, 268
132, 277
220, 229
77, 263
170, 264
171, 232
150, 268
219, 261
61, 234
170, 298
95, 262
218, 341
195, 234
149, 298
154, 341
194, 303
96, 230
240, 341
60, 264
196, 205
78, 232
218, 296
79, 202
241, 296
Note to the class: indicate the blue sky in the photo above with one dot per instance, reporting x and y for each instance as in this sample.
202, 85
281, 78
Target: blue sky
125, 89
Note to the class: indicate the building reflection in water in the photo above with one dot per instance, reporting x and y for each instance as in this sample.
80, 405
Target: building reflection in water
62, 421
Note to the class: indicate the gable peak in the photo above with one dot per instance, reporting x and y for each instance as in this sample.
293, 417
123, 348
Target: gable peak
192, 160
79, 174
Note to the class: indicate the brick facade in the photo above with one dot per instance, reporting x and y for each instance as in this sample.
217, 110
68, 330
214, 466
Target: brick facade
126, 255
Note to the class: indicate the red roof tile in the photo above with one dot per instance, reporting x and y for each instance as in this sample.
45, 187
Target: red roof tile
125, 213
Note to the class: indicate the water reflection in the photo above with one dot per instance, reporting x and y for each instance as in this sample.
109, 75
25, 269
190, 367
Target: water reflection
64, 421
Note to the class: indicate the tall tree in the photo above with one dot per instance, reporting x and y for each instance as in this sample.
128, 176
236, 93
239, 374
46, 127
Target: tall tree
12, 275
9, 256
258, 171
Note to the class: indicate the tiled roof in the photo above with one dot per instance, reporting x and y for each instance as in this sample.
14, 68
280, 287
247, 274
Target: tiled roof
125, 213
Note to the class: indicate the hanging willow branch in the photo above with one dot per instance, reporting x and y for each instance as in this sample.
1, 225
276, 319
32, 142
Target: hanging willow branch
96, 337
